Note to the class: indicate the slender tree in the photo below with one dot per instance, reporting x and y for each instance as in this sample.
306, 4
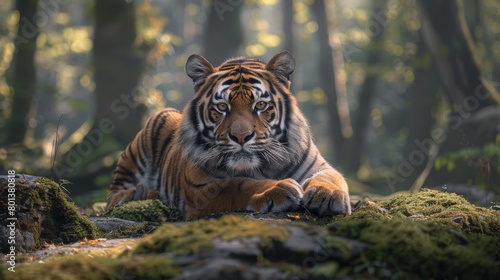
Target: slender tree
119, 112
421, 99
331, 63
288, 25
450, 44
375, 53
24, 74
118, 66
224, 32
475, 116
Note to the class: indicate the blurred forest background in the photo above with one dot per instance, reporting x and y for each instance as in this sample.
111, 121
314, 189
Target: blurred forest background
400, 94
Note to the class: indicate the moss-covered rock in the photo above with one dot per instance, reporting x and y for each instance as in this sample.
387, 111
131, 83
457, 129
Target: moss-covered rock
426, 249
431, 205
152, 210
82, 266
430, 234
190, 238
425, 235
43, 214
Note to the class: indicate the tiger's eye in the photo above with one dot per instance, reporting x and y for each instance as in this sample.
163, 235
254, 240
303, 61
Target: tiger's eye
261, 105
222, 107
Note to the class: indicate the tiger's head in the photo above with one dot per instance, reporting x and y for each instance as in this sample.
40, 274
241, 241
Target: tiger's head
243, 120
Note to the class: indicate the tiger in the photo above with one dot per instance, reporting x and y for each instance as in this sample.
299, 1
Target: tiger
241, 143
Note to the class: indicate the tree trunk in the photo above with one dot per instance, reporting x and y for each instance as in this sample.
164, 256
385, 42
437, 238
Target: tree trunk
340, 76
331, 62
224, 33
475, 116
357, 148
24, 76
118, 66
450, 44
288, 25
119, 111
422, 97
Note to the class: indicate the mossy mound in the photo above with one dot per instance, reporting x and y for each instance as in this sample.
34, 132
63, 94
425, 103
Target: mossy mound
81, 266
430, 234
427, 249
44, 214
409, 236
192, 237
130, 231
64, 222
430, 205
152, 210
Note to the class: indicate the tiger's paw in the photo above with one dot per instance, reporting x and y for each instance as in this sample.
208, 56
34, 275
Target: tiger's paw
325, 200
284, 196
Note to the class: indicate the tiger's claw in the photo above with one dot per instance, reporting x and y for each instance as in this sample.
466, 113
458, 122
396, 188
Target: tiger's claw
284, 196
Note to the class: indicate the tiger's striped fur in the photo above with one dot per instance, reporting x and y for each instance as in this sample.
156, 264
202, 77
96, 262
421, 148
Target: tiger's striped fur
241, 143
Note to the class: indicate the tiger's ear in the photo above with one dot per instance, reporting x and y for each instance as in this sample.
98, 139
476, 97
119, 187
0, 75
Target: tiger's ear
198, 68
282, 65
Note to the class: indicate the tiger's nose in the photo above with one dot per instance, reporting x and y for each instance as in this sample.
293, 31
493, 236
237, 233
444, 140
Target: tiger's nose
241, 136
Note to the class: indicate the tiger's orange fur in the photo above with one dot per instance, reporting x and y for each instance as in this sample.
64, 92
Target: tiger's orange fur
241, 143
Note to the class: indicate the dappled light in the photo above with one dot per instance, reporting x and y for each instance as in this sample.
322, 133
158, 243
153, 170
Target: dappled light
309, 139
367, 79
384, 57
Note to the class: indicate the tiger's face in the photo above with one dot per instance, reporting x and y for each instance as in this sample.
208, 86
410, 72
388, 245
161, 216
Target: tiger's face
239, 114
242, 114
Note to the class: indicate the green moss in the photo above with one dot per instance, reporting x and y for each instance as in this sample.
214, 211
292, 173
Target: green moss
149, 267
441, 206
86, 267
44, 214
289, 268
152, 210
424, 248
125, 231
369, 211
425, 235
63, 221
197, 235
428, 234
327, 270
426, 202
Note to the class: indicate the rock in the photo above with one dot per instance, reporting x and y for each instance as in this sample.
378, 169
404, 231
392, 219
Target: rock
462, 238
415, 238
110, 224
228, 269
245, 249
41, 214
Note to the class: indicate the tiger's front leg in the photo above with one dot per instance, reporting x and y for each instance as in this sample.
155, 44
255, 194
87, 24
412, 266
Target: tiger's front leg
326, 193
243, 194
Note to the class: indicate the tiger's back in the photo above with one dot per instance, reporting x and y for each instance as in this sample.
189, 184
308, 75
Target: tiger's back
241, 143
138, 171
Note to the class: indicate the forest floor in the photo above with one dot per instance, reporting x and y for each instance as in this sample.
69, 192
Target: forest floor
429, 234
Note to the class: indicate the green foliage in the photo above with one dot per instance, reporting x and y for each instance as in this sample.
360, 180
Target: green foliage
168, 32
485, 159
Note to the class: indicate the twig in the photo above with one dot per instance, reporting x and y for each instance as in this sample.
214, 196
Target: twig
419, 183
54, 148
